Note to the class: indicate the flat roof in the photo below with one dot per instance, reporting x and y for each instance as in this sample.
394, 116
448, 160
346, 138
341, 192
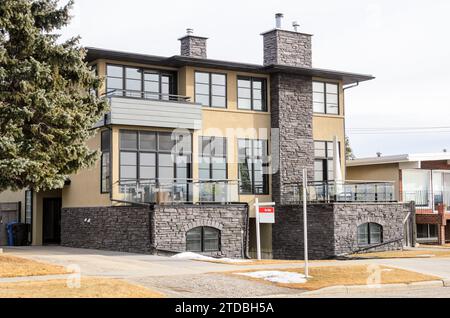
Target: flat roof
438, 156
180, 61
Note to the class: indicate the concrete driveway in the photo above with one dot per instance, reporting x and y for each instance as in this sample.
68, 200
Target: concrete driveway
185, 278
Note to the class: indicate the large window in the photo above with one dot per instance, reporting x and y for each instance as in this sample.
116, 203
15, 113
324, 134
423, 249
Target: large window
416, 187
323, 161
427, 232
105, 160
203, 239
253, 166
326, 98
252, 93
213, 158
211, 89
370, 234
154, 155
139, 83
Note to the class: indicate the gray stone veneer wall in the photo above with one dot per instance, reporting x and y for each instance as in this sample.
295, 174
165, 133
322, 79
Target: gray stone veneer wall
124, 229
153, 229
292, 114
288, 48
193, 46
171, 222
332, 228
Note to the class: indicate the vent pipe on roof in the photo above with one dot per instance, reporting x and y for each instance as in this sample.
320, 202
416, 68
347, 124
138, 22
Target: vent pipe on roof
295, 25
379, 154
279, 20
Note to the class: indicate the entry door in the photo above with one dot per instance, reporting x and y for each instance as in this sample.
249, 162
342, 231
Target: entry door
52, 221
5, 218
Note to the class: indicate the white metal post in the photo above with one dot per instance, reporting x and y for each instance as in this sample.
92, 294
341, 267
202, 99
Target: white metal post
258, 235
305, 221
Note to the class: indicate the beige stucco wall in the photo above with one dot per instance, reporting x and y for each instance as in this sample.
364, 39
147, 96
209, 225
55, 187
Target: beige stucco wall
84, 189
383, 172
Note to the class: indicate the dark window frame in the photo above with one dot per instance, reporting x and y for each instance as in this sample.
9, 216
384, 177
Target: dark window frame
252, 157
210, 95
156, 151
325, 104
325, 160
368, 237
202, 239
103, 151
211, 156
264, 108
171, 74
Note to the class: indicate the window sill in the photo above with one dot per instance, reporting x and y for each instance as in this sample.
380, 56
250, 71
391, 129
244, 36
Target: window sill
328, 115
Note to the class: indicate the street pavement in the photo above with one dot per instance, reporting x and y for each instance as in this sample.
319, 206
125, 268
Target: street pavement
187, 278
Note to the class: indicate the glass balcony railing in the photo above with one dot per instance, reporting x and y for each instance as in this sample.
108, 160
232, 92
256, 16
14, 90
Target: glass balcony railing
158, 191
428, 200
349, 191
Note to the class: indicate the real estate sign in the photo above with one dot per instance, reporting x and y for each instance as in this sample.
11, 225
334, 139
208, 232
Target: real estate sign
267, 215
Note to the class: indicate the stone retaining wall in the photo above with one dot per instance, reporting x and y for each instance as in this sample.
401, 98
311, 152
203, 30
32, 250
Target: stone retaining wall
153, 229
332, 228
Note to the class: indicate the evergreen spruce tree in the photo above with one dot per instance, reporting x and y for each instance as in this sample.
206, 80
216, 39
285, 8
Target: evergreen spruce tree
47, 109
348, 150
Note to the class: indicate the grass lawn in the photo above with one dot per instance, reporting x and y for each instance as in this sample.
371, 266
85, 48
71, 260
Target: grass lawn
12, 266
403, 254
89, 288
325, 276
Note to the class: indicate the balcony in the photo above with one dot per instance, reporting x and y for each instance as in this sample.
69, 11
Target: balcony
137, 108
428, 200
178, 191
348, 191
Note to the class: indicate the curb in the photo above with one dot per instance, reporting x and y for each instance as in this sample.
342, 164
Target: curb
354, 289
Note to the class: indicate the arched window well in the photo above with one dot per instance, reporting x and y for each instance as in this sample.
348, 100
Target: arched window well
370, 234
203, 239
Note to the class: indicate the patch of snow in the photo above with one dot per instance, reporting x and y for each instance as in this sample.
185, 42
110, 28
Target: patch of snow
278, 276
199, 257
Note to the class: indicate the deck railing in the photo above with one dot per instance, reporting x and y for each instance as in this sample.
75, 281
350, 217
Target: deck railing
172, 191
146, 95
348, 191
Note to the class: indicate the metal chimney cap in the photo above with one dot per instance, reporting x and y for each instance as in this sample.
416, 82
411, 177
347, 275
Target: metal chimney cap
278, 20
189, 31
295, 25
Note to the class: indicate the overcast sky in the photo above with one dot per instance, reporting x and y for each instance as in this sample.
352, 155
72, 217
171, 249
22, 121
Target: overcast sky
405, 44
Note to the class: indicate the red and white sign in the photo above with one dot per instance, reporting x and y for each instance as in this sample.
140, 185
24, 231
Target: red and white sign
267, 215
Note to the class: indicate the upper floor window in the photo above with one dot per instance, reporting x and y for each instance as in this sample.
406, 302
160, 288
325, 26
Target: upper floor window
326, 98
323, 161
139, 83
252, 93
211, 89
253, 166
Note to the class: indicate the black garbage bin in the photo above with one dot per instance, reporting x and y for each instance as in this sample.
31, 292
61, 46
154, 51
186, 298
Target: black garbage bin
20, 234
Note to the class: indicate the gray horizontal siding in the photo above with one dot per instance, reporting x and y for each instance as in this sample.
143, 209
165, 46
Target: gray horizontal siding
155, 113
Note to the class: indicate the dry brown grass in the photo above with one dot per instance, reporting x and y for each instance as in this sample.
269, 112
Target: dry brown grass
89, 288
13, 266
403, 254
326, 276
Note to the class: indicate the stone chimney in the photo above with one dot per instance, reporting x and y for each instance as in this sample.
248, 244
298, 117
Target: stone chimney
193, 46
287, 47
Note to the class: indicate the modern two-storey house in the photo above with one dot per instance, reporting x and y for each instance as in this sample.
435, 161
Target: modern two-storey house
190, 142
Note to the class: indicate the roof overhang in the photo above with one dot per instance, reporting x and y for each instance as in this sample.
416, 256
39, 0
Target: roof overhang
405, 158
181, 61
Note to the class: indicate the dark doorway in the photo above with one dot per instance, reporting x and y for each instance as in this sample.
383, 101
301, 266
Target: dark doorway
52, 221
